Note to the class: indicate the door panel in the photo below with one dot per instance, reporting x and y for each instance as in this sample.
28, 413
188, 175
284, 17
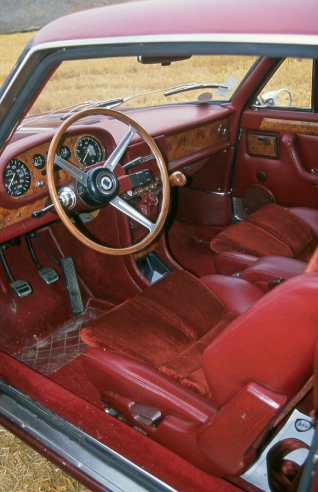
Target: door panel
277, 151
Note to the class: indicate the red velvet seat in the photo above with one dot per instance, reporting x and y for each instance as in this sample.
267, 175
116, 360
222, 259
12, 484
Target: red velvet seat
272, 230
214, 360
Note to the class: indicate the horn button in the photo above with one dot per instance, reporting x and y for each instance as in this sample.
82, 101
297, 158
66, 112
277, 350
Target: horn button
102, 186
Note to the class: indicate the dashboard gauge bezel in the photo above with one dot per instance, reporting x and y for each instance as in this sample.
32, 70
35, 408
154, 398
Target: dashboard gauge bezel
27, 174
43, 163
68, 150
96, 141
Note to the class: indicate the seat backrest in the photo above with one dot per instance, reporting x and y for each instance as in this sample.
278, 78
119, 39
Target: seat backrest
272, 343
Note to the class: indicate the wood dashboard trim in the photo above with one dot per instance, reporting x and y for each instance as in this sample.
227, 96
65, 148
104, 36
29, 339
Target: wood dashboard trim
12, 216
191, 141
293, 126
60, 176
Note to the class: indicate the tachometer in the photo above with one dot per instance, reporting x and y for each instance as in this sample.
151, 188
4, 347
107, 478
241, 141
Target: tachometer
16, 177
88, 151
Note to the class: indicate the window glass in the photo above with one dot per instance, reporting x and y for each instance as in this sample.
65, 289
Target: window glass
291, 85
100, 79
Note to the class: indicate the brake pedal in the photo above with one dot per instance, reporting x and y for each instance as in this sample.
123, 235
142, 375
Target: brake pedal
72, 285
20, 287
49, 275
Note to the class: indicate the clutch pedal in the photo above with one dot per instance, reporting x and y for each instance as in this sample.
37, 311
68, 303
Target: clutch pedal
72, 285
21, 287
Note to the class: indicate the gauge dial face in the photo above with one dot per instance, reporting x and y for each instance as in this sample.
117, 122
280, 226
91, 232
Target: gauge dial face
16, 177
38, 161
88, 151
64, 152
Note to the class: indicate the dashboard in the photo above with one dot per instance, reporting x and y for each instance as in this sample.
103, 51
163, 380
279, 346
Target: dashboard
25, 174
23, 179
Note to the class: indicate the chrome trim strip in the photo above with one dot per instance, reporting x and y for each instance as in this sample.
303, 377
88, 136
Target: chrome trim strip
221, 193
99, 462
261, 39
291, 39
33, 129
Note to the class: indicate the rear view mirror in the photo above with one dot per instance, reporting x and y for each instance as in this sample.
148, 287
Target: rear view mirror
164, 60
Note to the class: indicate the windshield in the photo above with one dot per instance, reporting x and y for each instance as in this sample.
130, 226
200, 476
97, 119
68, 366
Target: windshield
101, 79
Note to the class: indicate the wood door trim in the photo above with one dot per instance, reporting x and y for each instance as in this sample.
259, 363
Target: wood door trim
262, 145
292, 126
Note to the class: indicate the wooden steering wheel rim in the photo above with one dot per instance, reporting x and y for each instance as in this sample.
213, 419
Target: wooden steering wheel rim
61, 212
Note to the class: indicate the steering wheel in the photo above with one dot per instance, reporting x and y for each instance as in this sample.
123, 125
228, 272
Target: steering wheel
101, 182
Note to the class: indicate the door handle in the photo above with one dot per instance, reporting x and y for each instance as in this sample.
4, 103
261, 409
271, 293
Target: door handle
288, 141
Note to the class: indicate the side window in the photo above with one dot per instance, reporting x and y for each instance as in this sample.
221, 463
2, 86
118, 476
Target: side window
290, 86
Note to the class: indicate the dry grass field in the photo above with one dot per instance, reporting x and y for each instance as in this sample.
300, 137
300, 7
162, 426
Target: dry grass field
95, 80
24, 470
21, 469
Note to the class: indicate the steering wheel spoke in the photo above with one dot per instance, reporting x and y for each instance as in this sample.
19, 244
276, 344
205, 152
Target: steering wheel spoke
116, 155
102, 180
127, 209
74, 171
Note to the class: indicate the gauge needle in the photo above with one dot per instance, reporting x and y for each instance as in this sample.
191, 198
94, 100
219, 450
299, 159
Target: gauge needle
86, 154
11, 181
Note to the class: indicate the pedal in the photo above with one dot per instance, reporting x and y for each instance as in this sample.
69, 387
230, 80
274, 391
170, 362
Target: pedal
21, 287
49, 275
72, 285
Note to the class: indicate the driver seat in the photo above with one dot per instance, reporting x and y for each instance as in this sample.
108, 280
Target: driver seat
205, 366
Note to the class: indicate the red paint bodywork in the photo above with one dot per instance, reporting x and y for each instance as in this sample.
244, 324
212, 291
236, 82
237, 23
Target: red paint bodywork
194, 220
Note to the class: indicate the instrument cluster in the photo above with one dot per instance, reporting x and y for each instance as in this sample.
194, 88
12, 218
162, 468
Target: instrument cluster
26, 173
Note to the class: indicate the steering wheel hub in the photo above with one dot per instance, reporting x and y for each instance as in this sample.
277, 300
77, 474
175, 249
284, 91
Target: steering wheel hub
99, 186
102, 187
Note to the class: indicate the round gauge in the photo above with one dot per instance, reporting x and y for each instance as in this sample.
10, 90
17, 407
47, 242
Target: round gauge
88, 151
16, 177
38, 161
64, 152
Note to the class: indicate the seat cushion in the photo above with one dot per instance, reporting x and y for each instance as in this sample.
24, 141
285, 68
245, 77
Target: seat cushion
271, 344
272, 230
169, 325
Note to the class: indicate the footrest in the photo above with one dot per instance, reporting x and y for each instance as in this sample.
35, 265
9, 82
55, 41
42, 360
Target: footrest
72, 285
21, 287
49, 275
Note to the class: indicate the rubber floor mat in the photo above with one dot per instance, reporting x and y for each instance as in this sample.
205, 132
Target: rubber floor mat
61, 347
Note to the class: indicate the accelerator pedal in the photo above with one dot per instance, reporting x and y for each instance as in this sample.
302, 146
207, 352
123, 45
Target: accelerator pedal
72, 285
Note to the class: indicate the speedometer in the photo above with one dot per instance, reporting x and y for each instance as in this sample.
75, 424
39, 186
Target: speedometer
88, 151
16, 177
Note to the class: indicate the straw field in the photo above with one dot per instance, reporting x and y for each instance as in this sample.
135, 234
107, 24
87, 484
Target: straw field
95, 80
21, 469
